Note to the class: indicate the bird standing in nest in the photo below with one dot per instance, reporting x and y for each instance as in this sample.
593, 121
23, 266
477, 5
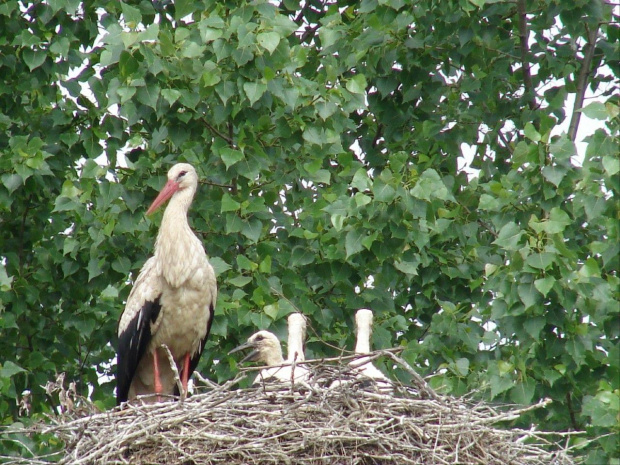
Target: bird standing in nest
171, 303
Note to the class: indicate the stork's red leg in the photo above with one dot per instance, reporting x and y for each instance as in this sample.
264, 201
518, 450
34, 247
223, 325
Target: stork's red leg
158, 387
185, 376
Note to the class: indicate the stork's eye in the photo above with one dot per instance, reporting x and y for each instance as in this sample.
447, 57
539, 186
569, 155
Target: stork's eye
259, 338
181, 174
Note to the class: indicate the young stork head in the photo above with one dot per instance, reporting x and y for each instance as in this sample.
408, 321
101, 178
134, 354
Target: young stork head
182, 177
265, 347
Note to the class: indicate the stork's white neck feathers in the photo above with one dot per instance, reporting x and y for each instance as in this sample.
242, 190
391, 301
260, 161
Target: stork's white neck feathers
363, 321
177, 249
296, 336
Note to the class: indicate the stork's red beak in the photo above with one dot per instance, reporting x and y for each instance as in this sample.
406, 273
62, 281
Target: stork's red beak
170, 188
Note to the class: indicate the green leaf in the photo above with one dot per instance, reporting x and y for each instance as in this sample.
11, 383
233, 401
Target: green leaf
10, 369
254, 91
33, 58
383, 192
540, 261
192, 50
12, 182
488, 202
563, 148
554, 174
534, 326
271, 310
430, 185
182, 8
353, 242
500, 384
602, 414
239, 280
531, 133
557, 222
131, 14
590, 269
509, 236
268, 40
361, 181
478, 3
410, 268
544, 285
314, 135
357, 84
252, 230
462, 366
94, 269
5, 279
230, 156
228, 204
523, 392
611, 164
219, 265
244, 263
595, 110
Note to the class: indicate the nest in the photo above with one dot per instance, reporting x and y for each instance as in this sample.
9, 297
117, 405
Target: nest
316, 422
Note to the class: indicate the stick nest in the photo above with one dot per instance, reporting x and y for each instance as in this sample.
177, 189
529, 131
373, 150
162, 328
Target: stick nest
356, 422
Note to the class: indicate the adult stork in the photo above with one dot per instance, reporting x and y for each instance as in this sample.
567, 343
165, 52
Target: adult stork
172, 301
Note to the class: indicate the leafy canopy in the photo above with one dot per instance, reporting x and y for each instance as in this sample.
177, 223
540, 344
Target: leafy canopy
330, 139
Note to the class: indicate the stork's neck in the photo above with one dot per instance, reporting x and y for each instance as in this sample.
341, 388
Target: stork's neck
274, 357
362, 345
296, 342
177, 247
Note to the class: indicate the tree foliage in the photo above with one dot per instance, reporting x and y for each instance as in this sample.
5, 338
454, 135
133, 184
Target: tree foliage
330, 138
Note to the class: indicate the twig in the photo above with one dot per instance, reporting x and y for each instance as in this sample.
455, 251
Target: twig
175, 371
582, 81
523, 36
214, 130
419, 380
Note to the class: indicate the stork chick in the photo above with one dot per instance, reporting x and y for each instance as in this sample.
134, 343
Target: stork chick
171, 303
266, 348
296, 343
363, 367
296, 337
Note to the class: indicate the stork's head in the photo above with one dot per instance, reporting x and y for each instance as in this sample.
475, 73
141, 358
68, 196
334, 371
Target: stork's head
363, 318
181, 177
265, 347
297, 322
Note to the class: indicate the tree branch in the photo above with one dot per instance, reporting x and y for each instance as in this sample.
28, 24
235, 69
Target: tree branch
582, 81
523, 35
214, 130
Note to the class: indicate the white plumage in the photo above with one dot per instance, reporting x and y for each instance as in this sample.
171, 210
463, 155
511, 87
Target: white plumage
171, 303
296, 337
365, 368
266, 348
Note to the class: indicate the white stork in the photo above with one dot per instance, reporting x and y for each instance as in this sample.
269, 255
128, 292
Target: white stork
296, 337
172, 301
363, 367
296, 343
266, 348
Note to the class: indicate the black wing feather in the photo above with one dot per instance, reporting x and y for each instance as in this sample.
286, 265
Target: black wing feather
193, 362
132, 344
